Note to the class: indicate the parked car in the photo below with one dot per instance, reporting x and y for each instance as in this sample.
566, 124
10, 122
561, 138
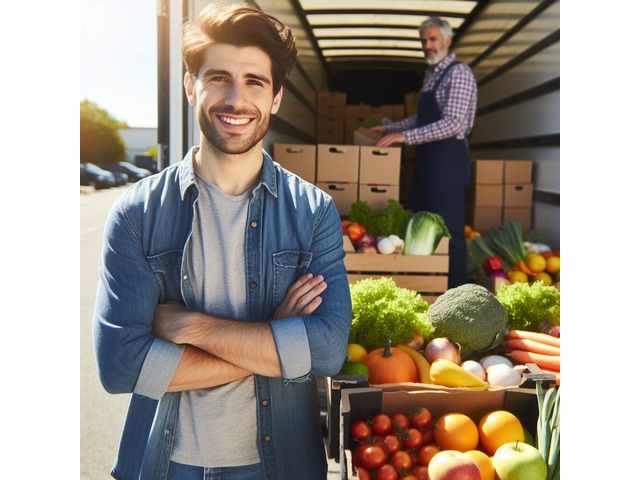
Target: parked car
121, 177
146, 161
135, 173
96, 177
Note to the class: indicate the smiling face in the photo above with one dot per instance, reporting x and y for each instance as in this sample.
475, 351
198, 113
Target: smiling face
434, 45
233, 96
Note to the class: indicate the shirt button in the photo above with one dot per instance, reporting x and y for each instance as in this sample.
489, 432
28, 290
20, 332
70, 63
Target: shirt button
254, 224
267, 438
264, 403
185, 277
253, 285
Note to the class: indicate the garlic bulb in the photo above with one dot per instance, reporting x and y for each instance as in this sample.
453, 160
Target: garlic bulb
501, 375
490, 360
475, 368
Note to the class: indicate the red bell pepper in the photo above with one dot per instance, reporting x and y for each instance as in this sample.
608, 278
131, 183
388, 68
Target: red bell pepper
493, 264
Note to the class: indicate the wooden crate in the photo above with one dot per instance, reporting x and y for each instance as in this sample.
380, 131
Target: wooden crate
426, 274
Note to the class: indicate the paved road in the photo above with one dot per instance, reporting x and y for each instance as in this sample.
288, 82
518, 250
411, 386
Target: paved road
101, 414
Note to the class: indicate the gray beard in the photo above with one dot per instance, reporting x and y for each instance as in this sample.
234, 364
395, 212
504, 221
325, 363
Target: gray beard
437, 59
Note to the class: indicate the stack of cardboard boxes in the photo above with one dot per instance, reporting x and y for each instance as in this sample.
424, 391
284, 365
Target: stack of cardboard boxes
331, 110
501, 190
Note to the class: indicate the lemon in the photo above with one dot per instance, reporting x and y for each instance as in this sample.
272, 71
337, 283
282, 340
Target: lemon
356, 352
355, 368
516, 276
553, 265
545, 277
536, 262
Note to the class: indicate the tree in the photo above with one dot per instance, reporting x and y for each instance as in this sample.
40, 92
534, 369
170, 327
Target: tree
100, 141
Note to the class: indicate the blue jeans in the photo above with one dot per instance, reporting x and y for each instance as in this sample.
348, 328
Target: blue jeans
179, 471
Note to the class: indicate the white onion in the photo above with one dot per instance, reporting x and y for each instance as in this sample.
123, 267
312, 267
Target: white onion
475, 368
500, 375
386, 246
490, 360
442, 347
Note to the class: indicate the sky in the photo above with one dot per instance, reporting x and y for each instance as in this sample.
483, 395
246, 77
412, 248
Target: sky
118, 58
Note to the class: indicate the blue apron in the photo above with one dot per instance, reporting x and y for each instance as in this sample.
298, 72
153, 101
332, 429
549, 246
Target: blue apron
441, 176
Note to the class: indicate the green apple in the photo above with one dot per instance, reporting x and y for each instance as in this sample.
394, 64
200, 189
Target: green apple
519, 461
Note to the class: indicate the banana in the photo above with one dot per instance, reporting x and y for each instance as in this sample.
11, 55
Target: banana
421, 363
449, 374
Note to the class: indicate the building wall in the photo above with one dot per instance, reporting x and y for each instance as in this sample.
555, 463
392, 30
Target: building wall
138, 140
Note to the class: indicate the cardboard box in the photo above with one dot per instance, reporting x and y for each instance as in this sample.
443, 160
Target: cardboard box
486, 195
487, 172
518, 171
378, 195
360, 403
343, 194
522, 215
398, 112
426, 274
332, 111
518, 195
300, 159
329, 123
380, 165
330, 136
333, 99
484, 218
338, 163
364, 136
358, 111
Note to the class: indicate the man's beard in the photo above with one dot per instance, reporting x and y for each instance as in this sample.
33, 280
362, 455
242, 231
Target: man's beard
230, 143
437, 59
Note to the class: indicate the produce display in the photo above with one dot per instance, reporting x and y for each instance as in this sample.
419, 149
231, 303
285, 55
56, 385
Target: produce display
415, 445
470, 338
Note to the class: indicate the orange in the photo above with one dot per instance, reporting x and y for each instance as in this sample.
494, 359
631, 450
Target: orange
484, 462
497, 428
553, 265
356, 352
536, 262
467, 230
544, 277
516, 276
456, 431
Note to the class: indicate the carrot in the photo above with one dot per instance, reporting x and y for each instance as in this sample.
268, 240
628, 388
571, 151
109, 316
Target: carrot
531, 346
522, 265
537, 336
552, 362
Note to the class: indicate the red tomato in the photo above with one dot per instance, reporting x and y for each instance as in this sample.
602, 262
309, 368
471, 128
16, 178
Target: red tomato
387, 472
411, 476
420, 472
420, 418
373, 456
427, 435
381, 424
401, 460
399, 421
363, 473
393, 442
360, 429
412, 439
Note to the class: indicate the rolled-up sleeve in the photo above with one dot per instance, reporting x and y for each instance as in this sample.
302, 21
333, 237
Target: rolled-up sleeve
290, 336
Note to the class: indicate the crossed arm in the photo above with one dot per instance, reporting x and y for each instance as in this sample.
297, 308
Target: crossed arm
219, 350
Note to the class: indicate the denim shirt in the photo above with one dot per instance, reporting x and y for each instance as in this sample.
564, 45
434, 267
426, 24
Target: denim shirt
292, 227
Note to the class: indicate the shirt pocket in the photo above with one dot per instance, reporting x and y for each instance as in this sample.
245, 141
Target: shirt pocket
166, 267
288, 265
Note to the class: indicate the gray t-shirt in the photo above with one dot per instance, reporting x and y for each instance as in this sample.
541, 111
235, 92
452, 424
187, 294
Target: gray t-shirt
218, 426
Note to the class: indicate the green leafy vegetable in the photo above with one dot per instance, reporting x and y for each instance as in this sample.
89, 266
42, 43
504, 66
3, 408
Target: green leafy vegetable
530, 305
383, 311
391, 221
508, 242
424, 232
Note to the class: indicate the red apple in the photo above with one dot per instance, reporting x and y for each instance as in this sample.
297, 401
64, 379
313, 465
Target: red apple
453, 465
519, 461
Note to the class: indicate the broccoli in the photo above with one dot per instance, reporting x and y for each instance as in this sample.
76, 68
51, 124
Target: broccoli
471, 316
530, 305
424, 231
383, 311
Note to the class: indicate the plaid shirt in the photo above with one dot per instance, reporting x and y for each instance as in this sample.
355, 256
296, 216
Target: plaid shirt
456, 96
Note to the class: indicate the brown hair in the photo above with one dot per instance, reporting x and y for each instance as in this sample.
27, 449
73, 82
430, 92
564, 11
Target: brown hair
240, 24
